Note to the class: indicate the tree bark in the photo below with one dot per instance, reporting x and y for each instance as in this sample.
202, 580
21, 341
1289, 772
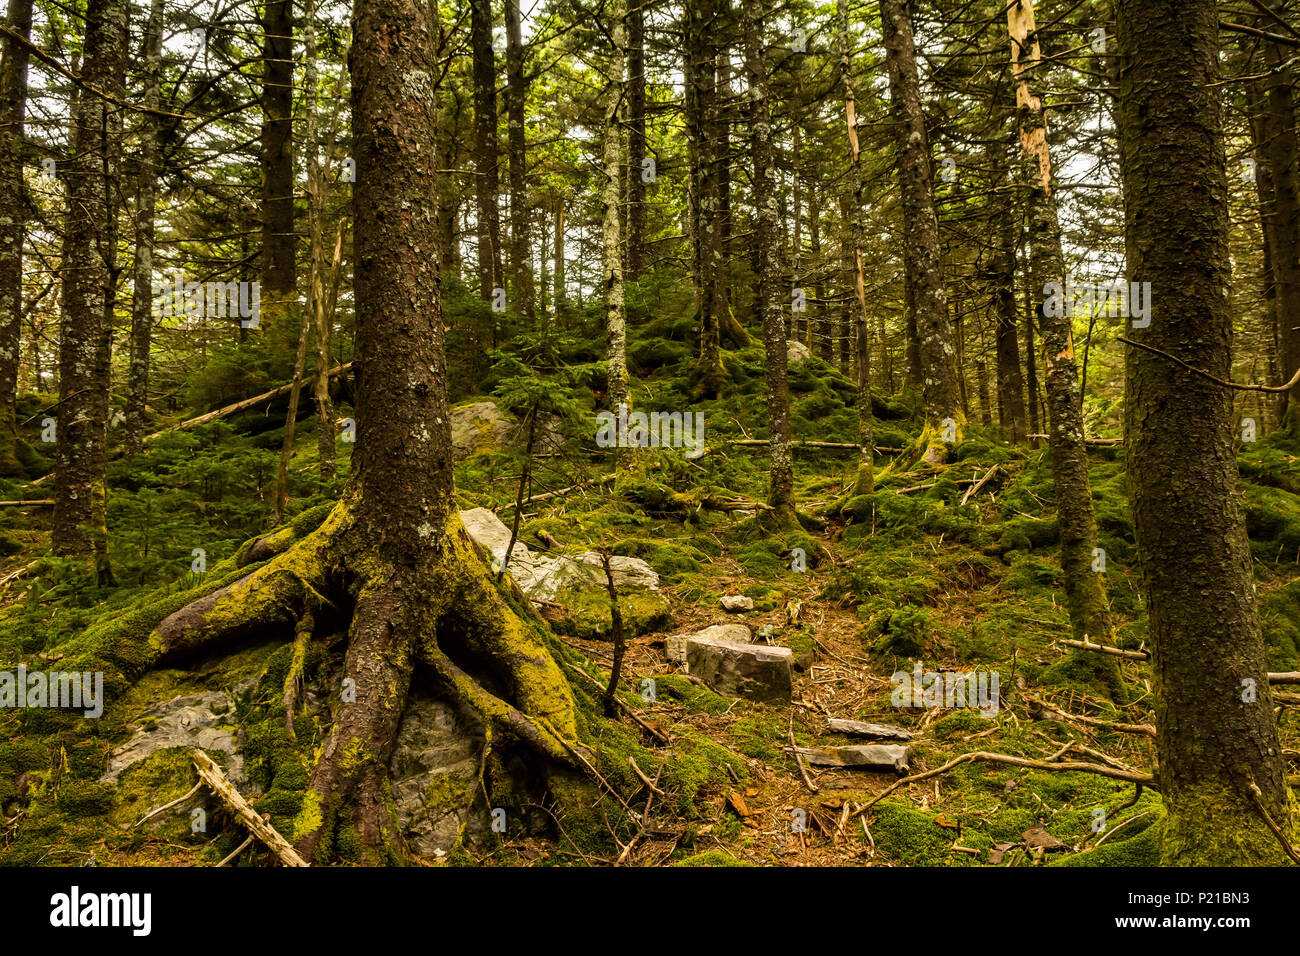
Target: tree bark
487, 182
90, 274
771, 301
148, 173
612, 225
1085, 593
864, 481
279, 241
636, 141
13, 219
521, 256
936, 347
1215, 728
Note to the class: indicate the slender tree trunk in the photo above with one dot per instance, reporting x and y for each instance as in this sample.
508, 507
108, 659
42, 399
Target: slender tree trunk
1085, 593
279, 241
487, 179
771, 301
936, 346
1221, 767
149, 169
521, 256
620, 394
559, 272
636, 141
1011, 385
1284, 222
13, 218
90, 273
319, 309
864, 482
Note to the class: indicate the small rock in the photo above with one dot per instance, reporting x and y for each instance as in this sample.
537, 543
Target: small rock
479, 427
796, 352
860, 728
750, 671
735, 603
675, 644
862, 756
190, 721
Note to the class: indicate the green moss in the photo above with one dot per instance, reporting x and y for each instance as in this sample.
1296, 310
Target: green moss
912, 837
710, 858
1142, 848
587, 613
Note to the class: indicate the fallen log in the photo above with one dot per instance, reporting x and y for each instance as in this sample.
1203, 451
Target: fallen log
34, 503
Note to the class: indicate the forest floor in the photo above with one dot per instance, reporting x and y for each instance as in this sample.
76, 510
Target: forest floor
908, 576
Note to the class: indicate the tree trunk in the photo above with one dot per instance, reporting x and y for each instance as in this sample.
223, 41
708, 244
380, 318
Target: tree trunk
636, 142
90, 273
771, 301
279, 241
612, 225
936, 347
13, 219
864, 481
1284, 220
393, 551
1085, 594
150, 157
1215, 728
521, 256
487, 179
1011, 383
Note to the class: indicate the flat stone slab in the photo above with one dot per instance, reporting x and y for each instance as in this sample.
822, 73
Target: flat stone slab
675, 644
752, 671
860, 757
860, 728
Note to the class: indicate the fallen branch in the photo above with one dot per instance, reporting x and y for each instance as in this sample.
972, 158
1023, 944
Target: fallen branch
246, 403
799, 758
34, 503
213, 776
1086, 645
1094, 442
1066, 766
974, 489
547, 496
1038, 708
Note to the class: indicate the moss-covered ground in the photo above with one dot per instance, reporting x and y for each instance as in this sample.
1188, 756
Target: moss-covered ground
906, 575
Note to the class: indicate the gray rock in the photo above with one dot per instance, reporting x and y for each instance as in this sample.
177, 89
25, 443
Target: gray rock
862, 756
735, 603
433, 772
860, 728
195, 720
796, 352
675, 644
476, 428
752, 671
541, 577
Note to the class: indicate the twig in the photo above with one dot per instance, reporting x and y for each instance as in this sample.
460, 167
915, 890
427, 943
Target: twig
799, 760
1272, 389
167, 806
236, 851
975, 488
1258, 797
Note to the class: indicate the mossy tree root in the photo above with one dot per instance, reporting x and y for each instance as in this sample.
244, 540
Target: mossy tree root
444, 612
